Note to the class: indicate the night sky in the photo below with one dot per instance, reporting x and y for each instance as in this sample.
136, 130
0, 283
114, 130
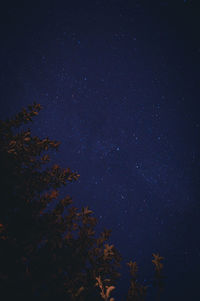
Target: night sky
119, 83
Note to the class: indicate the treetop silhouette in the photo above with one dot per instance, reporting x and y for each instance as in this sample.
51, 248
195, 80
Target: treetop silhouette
48, 248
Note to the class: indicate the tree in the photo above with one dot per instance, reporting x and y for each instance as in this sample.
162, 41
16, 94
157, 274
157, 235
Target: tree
48, 248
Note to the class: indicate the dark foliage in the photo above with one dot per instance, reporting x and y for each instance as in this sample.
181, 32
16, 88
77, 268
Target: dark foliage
50, 254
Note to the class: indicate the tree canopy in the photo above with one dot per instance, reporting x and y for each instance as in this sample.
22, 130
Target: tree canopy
48, 248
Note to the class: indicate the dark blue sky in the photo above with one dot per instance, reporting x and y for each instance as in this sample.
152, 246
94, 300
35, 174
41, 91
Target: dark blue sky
119, 82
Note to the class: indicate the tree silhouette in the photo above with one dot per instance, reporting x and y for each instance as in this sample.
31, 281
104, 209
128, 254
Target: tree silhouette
48, 248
